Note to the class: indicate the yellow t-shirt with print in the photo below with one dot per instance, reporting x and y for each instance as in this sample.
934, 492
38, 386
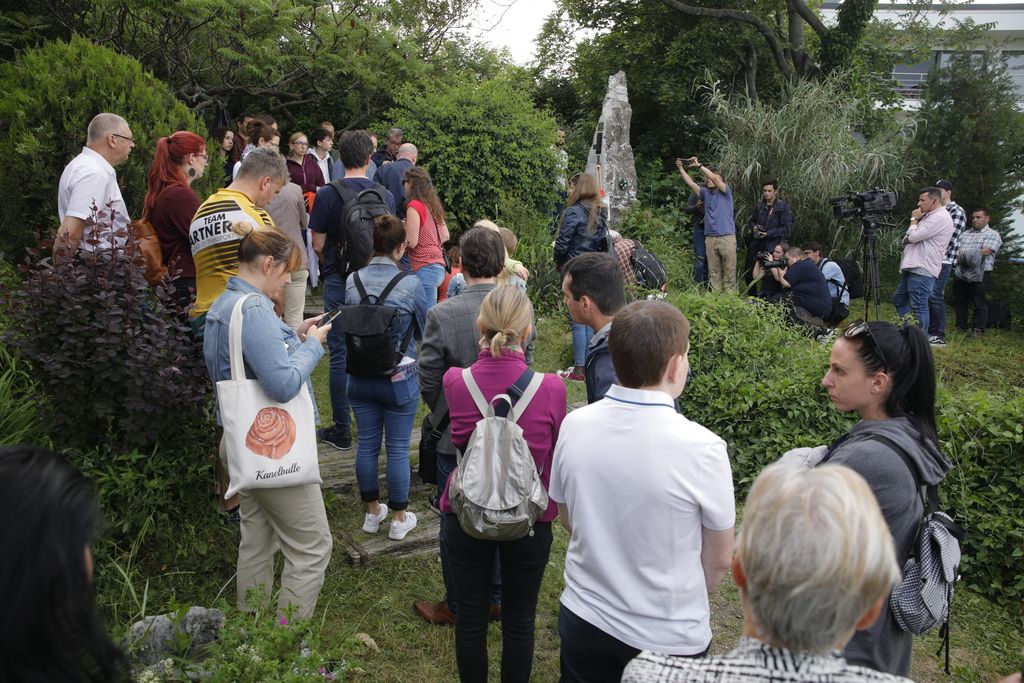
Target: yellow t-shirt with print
215, 244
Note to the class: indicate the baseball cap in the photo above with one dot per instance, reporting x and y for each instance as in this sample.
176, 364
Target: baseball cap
945, 185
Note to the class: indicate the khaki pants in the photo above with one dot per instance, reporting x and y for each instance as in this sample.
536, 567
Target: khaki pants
295, 299
721, 262
293, 520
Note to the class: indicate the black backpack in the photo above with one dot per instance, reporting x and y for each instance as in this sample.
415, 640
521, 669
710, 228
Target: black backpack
368, 332
854, 279
649, 271
353, 236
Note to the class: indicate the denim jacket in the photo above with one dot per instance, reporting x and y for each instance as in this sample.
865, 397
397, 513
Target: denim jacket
574, 238
375, 276
272, 352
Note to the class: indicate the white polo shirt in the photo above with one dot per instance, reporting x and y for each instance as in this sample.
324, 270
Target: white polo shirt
87, 181
640, 481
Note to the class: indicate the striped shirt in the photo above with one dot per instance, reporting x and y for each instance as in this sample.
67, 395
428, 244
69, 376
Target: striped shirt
752, 661
215, 245
986, 238
959, 225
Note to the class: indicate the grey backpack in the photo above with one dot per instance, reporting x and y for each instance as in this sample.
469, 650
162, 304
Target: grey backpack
496, 491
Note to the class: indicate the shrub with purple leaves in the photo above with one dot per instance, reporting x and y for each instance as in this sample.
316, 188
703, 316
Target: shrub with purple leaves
114, 356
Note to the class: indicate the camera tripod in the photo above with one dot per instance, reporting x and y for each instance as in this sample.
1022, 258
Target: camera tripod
869, 262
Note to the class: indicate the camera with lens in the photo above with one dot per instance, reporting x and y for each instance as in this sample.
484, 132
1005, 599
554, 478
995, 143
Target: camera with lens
767, 262
867, 204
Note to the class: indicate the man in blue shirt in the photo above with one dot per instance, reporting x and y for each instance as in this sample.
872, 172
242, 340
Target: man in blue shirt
392, 175
719, 223
354, 148
836, 280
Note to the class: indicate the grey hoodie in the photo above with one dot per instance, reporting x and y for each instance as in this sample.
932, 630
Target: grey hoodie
884, 646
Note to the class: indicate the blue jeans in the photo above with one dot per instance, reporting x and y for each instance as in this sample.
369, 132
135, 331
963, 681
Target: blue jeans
445, 464
581, 336
334, 297
937, 304
912, 294
385, 407
700, 261
430, 277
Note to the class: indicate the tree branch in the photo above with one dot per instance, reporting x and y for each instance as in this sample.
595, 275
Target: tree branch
808, 15
746, 18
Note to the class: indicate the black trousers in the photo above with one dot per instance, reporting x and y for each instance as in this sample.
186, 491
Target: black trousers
522, 569
966, 294
589, 655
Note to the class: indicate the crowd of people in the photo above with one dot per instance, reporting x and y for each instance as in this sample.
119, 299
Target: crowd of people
645, 494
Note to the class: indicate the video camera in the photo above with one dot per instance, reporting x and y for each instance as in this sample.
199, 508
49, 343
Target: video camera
767, 262
870, 203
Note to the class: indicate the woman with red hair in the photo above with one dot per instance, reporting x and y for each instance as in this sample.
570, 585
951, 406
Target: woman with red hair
170, 205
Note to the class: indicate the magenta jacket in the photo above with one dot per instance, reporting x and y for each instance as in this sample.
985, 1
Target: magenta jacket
540, 423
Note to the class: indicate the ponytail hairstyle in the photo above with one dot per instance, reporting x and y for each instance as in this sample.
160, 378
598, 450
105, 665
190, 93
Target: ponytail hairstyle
904, 354
587, 192
171, 154
260, 130
421, 188
504, 316
257, 244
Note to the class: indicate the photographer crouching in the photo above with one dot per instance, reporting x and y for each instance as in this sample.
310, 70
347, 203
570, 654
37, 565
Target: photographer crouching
765, 261
805, 288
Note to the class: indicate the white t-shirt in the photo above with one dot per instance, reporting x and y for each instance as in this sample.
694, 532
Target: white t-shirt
640, 481
87, 181
831, 270
324, 164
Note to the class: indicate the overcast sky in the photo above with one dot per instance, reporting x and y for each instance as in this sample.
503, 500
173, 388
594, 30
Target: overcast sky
515, 23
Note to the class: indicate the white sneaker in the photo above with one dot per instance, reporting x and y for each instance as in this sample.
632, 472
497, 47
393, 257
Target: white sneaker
400, 529
936, 341
371, 523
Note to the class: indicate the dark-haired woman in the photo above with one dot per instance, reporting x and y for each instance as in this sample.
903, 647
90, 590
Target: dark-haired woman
885, 374
584, 228
170, 205
49, 630
385, 407
261, 134
426, 233
225, 139
293, 518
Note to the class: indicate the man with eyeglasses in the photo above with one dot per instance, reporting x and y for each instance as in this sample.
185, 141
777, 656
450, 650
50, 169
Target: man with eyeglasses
91, 181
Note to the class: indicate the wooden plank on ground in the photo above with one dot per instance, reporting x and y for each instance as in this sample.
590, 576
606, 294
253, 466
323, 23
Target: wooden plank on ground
361, 548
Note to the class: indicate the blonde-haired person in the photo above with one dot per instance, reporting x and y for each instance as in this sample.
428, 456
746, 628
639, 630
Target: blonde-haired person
814, 563
505, 321
425, 233
514, 273
293, 518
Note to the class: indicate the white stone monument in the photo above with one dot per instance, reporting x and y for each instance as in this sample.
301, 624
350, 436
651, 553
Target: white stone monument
611, 155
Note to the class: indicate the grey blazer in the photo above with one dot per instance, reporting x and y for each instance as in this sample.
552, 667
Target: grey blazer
451, 340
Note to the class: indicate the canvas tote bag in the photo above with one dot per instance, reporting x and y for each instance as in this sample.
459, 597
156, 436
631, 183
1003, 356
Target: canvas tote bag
269, 444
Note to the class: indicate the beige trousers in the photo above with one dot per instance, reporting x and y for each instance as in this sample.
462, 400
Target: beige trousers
293, 520
295, 299
721, 262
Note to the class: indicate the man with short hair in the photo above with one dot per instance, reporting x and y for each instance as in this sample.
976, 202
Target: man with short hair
769, 224
971, 278
924, 247
836, 280
814, 533
91, 181
451, 339
937, 301
389, 154
355, 148
214, 244
719, 223
647, 498
329, 127
392, 175
593, 289
807, 289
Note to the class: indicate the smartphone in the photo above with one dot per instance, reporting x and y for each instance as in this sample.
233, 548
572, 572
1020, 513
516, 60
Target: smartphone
329, 317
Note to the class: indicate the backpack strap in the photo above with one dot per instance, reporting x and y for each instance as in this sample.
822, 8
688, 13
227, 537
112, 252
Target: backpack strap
363, 296
391, 285
474, 390
520, 405
932, 500
347, 194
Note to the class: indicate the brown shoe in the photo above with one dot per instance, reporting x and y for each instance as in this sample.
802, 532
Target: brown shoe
495, 611
436, 613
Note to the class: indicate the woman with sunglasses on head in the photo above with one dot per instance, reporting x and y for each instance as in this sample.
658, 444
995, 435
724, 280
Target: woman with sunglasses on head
170, 204
885, 374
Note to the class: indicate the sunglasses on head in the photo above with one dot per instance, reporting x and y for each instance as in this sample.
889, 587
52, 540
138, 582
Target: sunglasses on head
861, 327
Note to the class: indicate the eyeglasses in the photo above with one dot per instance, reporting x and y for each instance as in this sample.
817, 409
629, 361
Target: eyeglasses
130, 139
301, 143
861, 327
